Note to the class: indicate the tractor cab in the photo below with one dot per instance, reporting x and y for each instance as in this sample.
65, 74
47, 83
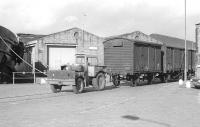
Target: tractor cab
82, 59
94, 74
89, 63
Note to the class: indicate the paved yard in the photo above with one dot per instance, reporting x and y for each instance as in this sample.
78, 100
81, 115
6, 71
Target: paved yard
157, 105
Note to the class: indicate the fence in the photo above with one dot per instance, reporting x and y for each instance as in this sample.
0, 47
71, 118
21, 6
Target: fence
24, 77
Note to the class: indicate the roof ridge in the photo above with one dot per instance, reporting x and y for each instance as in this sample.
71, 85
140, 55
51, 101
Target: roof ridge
170, 37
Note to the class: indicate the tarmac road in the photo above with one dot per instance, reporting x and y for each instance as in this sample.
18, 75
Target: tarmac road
157, 105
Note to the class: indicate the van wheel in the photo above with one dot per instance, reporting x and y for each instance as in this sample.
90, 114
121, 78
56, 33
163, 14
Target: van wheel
137, 82
101, 81
132, 83
55, 88
165, 78
78, 88
150, 79
197, 87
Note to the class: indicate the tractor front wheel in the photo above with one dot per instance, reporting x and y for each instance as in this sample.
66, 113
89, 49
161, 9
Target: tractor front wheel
78, 88
55, 88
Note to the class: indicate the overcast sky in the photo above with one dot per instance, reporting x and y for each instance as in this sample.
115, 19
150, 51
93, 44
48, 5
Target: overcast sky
101, 17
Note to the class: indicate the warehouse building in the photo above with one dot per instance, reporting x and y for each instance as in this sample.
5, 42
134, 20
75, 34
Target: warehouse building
57, 49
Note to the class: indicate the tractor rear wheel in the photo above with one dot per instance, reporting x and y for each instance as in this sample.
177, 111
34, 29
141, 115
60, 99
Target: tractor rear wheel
100, 82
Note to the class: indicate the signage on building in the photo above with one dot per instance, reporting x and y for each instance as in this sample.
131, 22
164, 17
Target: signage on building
93, 48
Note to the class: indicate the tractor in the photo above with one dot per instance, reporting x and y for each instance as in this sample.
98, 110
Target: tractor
85, 73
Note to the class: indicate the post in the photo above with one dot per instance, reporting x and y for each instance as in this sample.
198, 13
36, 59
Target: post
13, 78
197, 69
34, 77
185, 77
83, 37
84, 15
33, 71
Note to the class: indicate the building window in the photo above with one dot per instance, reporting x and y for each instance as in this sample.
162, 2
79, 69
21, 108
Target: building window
76, 34
92, 61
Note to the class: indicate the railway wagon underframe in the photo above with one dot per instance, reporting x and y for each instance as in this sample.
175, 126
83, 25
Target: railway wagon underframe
133, 60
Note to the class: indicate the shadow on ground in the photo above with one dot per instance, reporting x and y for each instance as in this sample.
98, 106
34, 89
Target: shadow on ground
130, 117
144, 82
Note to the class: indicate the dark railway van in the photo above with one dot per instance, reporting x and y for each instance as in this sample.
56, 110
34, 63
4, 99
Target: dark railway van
132, 60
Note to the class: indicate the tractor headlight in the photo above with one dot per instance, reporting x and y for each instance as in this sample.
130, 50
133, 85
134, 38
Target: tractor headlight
105, 69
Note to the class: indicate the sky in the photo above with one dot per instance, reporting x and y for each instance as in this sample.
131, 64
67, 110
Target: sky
101, 17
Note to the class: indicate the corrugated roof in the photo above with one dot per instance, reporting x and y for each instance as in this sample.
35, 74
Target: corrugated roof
173, 41
140, 36
132, 40
28, 37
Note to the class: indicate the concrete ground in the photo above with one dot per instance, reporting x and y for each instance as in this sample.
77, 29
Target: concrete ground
157, 105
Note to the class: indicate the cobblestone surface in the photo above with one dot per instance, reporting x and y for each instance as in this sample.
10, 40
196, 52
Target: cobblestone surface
157, 105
